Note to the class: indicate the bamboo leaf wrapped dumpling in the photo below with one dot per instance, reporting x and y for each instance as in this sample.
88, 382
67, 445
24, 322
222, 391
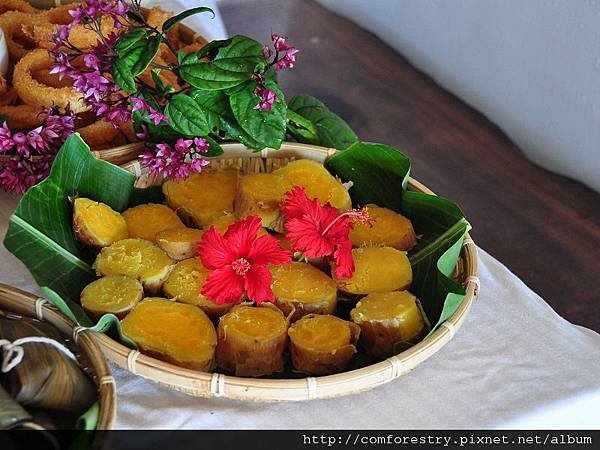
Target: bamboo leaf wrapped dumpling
252, 340
173, 332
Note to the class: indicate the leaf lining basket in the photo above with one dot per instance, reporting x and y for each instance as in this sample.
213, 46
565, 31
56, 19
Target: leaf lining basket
267, 390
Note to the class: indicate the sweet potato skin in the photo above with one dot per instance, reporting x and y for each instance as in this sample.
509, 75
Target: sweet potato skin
379, 336
318, 362
247, 356
179, 243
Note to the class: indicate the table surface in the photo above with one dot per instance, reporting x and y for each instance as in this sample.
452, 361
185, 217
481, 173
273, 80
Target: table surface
544, 227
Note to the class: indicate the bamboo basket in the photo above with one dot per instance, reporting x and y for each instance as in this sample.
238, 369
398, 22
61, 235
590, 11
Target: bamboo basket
268, 390
15, 303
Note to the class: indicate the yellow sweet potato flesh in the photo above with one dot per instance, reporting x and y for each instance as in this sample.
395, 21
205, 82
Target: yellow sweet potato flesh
260, 194
389, 228
202, 197
322, 344
317, 181
145, 221
184, 284
136, 258
97, 224
251, 340
113, 294
174, 332
301, 289
377, 269
179, 243
386, 318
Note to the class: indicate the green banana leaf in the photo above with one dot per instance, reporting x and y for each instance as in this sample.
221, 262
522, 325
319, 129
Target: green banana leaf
41, 235
374, 169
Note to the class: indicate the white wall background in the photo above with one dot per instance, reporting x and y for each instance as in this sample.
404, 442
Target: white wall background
531, 66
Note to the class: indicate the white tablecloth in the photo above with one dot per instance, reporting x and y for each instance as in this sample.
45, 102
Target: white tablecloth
514, 364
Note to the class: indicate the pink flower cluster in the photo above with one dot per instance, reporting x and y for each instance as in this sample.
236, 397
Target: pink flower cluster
285, 58
27, 157
178, 160
100, 92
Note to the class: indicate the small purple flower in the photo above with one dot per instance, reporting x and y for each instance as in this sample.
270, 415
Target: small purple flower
143, 134
20, 140
139, 104
36, 141
279, 42
287, 62
62, 66
201, 145
267, 98
157, 117
91, 61
78, 14
6, 142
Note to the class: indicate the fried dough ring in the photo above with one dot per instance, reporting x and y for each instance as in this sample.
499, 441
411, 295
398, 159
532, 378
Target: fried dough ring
12, 24
22, 116
17, 5
44, 27
98, 134
37, 94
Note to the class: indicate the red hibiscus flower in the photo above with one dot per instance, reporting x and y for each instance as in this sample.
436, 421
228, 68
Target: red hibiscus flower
318, 230
238, 260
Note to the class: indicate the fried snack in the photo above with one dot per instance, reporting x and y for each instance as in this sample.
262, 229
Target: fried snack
113, 294
43, 27
145, 221
97, 224
8, 96
136, 258
173, 332
389, 228
17, 5
35, 93
51, 79
156, 18
98, 133
301, 289
128, 131
317, 181
386, 318
259, 194
202, 197
377, 269
184, 284
17, 42
179, 243
322, 344
251, 340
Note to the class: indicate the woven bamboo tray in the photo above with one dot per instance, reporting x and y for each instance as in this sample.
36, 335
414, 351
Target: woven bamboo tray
267, 390
16, 303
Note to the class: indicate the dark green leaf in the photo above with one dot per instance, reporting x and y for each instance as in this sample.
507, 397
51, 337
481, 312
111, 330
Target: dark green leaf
301, 127
214, 148
187, 117
331, 129
360, 161
210, 50
162, 88
127, 40
121, 73
148, 53
170, 23
233, 64
265, 127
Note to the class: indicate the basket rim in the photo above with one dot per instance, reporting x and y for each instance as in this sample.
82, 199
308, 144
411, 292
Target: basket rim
260, 389
20, 303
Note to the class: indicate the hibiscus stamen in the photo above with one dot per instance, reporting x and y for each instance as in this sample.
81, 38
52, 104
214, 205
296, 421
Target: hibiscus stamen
356, 215
240, 266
